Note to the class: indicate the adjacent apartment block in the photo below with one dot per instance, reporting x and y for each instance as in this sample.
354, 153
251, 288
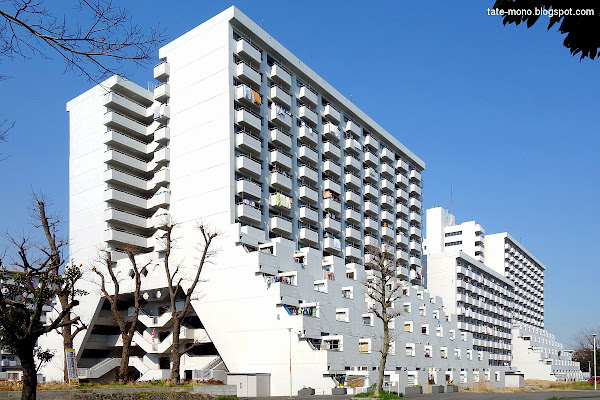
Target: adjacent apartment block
242, 135
496, 288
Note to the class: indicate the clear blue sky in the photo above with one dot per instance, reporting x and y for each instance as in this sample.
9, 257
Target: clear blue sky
504, 113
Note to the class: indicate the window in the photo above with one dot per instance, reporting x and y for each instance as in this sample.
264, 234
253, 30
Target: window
408, 326
428, 351
410, 349
452, 243
425, 329
439, 331
364, 346
469, 354
457, 354
347, 292
407, 307
449, 234
342, 315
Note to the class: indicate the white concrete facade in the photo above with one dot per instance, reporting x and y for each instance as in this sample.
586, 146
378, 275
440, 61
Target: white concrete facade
245, 137
501, 260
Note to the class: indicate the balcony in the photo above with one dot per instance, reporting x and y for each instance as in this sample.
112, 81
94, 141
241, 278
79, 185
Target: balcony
401, 209
387, 186
307, 155
387, 233
305, 172
308, 115
247, 213
353, 234
248, 142
388, 216
281, 159
281, 139
353, 127
353, 198
246, 187
332, 168
308, 96
328, 184
118, 236
402, 255
371, 241
372, 143
248, 166
332, 205
248, 120
353, 253
387, 155
388, 171
402, 272
415, 175
331, 150
402, 195
415, 204
280, 75
308, 215
308, 135
402, 180
352, 145
351, 163
332, 245
352, 181
124, 124
402, 166
415, 217
308, 195
331, 132
371, 225
332, 225
127, 218
247, 51
248, 74
371, 208
370, 192
415, 246
162, 71
370, 159
162, 92
402, 224
332, 114
352, 216
280, 181
281, 226
388, 201
402, 239
279, 95
414, 231
415, 261
280, 116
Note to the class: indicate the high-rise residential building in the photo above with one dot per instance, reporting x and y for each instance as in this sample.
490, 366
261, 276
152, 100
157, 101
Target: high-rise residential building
242, 135
496, 288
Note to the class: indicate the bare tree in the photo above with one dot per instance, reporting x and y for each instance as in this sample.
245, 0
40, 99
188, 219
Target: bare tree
175, 279
54, 244
5, 127
584, 348
127, 325
31, 281
96, 43
382, 290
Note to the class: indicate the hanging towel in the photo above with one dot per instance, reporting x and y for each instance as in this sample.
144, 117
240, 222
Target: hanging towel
255, 97
156, 110
278, 199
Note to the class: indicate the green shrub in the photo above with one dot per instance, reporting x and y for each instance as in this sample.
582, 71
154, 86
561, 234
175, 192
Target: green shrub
553, 398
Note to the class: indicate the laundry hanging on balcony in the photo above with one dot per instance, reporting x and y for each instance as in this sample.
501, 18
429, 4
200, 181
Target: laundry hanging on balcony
280, 200
251, 95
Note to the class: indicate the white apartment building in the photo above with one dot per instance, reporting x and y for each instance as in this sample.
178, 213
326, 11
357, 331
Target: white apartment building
501, 260
481, 298
539, 356
242, 135
507, 256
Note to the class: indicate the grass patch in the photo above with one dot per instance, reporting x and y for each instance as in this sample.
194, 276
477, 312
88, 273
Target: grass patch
531, 386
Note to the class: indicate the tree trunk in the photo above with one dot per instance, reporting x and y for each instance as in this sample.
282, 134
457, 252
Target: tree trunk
384, 354
29, 391
176, 356
67, 344
124, 367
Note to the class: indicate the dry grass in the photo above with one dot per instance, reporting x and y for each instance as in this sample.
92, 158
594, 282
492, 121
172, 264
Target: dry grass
542, 386
15, 386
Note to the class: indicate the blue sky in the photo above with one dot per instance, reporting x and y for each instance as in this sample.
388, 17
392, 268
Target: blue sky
505, 114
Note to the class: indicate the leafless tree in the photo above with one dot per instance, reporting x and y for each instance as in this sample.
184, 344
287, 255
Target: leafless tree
584, 347
5, 127
127, 324
96, 42
175, 279
383, 290
32, 279
53, 249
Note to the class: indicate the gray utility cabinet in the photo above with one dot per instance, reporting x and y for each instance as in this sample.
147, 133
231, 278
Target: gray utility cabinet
250, 384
